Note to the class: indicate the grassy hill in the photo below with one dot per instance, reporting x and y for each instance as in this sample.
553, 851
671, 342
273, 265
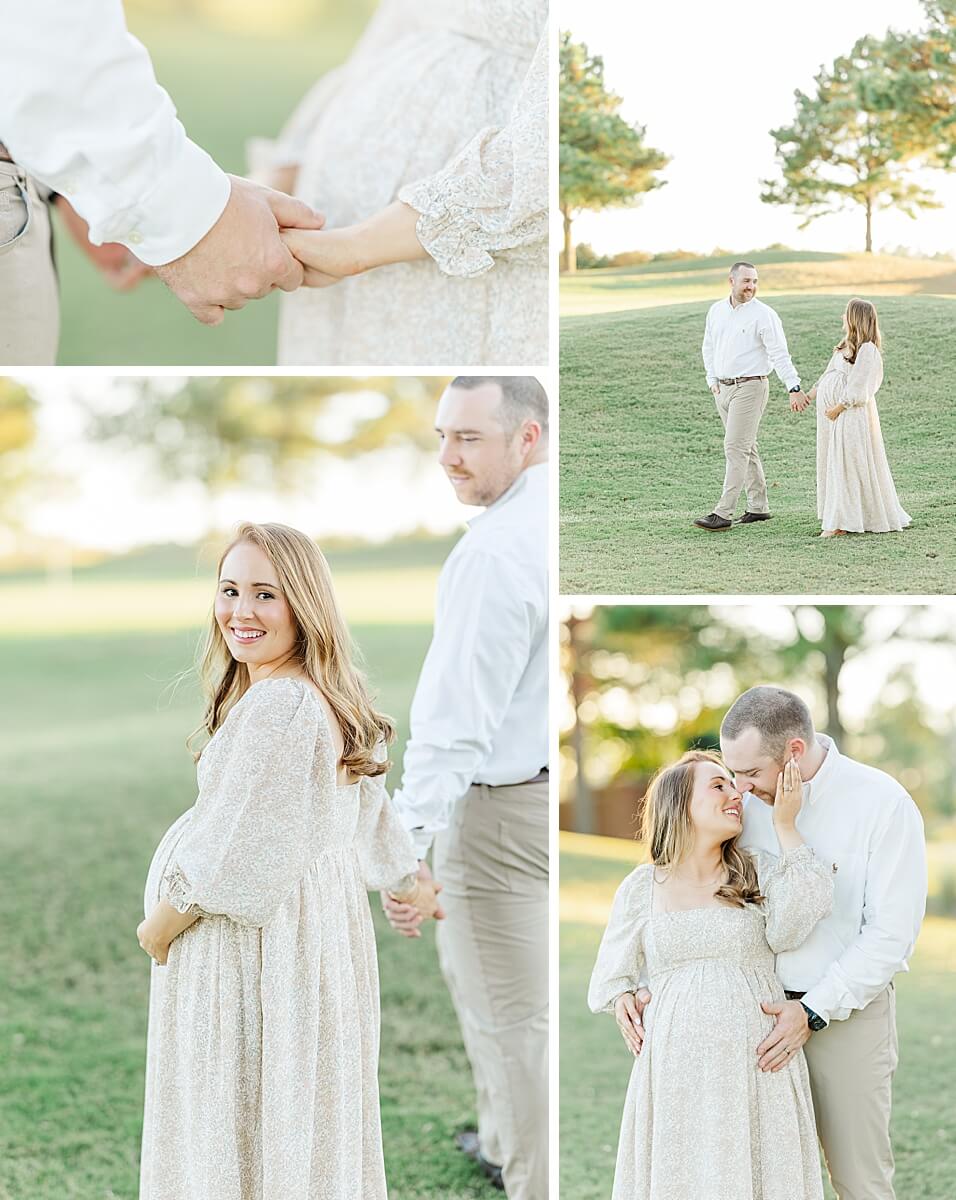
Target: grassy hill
618, 289
641, 456
595, 1063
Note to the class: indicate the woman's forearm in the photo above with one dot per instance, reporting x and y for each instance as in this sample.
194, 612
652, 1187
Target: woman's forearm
163, 925
388, 237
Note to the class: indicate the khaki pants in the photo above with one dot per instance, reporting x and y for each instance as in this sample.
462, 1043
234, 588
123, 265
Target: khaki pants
740, 407
29, 300
851, 1074
493, 951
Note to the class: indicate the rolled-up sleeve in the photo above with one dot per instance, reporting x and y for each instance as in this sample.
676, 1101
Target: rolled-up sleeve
82, 112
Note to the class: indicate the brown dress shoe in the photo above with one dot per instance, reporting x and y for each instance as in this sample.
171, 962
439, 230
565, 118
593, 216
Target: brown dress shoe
712, 522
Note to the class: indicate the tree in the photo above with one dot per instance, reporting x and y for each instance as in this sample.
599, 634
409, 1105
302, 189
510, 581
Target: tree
17, 435
854, 141
603, 160
263, 431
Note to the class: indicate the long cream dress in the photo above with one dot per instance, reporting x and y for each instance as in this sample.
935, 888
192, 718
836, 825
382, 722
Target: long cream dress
264, 1025
701, 1121
855, 489
443, 104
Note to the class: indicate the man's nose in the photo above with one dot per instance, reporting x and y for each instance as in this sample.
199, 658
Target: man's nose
448, 456
743, 785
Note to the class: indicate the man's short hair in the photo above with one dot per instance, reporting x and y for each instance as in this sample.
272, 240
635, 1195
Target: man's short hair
737, 265
776, 714
522, 398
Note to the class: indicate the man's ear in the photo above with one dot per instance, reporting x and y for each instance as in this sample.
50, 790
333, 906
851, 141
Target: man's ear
797, 747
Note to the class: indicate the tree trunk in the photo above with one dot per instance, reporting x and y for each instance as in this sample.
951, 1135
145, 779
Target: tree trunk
568, 258
584, 816
869, 225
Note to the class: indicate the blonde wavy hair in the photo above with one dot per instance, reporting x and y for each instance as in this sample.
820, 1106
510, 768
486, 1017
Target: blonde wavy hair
669, 833
324, 649
862, 325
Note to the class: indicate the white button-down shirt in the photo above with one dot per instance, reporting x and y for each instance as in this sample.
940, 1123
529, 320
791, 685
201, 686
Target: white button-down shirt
867, 829
480, 713
83, 113
746, 340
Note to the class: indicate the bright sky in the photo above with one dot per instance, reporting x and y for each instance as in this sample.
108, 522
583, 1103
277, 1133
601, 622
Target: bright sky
109, 499
865, 675
709, 81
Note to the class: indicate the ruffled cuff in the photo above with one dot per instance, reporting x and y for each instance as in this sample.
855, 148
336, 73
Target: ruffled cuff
447, 228
604, 995
800, 858
178, 891
404, 887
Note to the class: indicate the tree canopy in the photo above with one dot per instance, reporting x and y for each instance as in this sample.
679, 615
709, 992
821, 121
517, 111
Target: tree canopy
877, 114
603, 160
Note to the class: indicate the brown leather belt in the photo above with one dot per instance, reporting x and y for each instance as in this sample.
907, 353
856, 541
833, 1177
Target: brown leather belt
541, 777
740, 379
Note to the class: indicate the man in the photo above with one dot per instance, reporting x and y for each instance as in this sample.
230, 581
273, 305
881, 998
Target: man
839, 983
743, 339
475, 774
83, 113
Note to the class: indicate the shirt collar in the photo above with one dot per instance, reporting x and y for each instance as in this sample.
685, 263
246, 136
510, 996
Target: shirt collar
737, 307
815, 787
529, 479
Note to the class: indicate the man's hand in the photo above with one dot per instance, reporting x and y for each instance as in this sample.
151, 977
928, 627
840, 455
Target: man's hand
715, 388
629, 1014
791, 1030
405, 917
798, 401
242, 257
833, 413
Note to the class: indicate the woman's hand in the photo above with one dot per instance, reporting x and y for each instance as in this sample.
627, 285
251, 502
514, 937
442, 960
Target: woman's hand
833, 413
161, 928
155, 946
786, 805
629, 1014
330, 255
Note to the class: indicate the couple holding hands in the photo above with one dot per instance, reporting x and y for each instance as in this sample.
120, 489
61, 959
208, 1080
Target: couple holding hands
414, 177
743, 341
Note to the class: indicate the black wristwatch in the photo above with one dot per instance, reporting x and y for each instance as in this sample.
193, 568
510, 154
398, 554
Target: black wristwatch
798, 388
816, 1023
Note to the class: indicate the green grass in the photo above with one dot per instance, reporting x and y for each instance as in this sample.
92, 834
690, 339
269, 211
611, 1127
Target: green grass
95, 770
595, 1064
227, 87
642, 456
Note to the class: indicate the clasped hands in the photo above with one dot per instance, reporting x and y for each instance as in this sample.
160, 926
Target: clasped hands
405, 915
264, 239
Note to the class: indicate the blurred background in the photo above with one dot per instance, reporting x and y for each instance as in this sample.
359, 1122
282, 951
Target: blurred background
640, 685
117, 496
235, 69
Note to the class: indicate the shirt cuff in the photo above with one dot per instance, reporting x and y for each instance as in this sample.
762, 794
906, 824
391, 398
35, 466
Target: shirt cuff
170, 220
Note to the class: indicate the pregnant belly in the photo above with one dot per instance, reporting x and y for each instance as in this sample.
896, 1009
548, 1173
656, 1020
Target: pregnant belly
711, 1011
161, 861
831, 390
402, 117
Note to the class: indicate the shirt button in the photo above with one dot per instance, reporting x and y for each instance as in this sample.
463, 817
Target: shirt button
135, 238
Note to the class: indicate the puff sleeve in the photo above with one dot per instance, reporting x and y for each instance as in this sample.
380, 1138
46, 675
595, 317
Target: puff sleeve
249, 840
798, 892
620, 958
492, 198
865, 376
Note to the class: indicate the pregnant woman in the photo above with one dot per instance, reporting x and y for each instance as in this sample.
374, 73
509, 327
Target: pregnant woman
427, 153
263, 1016
699, 925
855, 492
